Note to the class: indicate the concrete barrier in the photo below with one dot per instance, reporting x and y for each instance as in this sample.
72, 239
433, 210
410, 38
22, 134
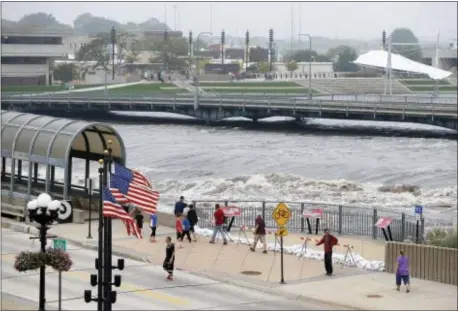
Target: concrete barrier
163, 219
427, 262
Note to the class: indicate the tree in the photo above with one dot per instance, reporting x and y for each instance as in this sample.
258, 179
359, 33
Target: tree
65, 72
258, 54
306, 56
405, 35
291, 66
38, 19
343, 57
86, 24
263, 67
133, 51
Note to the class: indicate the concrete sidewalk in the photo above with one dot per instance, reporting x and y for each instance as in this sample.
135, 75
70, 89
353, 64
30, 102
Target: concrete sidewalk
235, 263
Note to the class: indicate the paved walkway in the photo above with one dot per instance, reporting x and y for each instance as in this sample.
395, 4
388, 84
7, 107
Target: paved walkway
305, 278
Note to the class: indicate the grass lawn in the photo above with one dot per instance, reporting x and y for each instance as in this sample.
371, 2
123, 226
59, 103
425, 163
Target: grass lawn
408, 82
148, 88
248, 84
258, 90
42, 88
427, 88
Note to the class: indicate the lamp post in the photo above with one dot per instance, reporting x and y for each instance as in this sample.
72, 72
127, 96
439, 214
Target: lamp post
310, 63
44, 211
196, 83
113, 43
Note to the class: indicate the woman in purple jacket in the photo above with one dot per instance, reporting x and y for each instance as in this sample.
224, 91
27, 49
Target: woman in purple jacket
402, 272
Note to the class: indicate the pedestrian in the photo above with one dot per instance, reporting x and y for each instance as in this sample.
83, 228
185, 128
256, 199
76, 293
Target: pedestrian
329, 241
169, 260
180, 206
179, 228
219, 223
153, 225
186, 228
139, 219
260, 234
193, 219
402, 271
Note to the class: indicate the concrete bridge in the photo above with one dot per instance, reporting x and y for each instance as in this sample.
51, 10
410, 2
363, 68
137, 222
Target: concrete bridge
433, 111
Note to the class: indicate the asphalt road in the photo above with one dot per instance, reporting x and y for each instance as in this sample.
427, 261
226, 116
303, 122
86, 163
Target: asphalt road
143, 286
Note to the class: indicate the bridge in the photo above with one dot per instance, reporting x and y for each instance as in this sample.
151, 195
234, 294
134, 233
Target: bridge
429, 110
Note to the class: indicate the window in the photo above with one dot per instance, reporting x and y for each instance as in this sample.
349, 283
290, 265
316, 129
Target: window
23, 60
31, 40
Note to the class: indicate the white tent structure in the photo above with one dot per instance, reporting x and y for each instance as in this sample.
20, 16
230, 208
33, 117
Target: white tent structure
380, 59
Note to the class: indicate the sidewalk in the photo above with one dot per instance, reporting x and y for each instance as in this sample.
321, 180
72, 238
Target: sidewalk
235, 263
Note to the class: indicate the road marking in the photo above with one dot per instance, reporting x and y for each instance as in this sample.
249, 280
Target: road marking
130, 288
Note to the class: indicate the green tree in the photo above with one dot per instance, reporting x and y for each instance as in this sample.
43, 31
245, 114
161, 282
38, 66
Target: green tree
38, 19
306, 56
343, 57
405, 35
65, 72
263, 67
291, 66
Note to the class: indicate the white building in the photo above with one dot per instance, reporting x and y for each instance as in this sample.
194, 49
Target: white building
319, 70
28, 54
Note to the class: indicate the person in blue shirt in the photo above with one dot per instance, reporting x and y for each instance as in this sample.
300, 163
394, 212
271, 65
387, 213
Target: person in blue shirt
180, 206
153, 225
186, 228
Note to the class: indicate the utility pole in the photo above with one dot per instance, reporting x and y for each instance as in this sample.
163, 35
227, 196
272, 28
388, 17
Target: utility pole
271, 41
223, 41
247, 49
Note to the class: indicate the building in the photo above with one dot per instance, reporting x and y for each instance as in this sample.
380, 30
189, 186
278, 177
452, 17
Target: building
73, 44
447, 57
28, 54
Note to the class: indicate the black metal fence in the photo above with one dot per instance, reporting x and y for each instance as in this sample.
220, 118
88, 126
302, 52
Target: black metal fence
341, 219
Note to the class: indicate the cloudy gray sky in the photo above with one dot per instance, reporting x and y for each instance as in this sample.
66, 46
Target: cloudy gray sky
358, 20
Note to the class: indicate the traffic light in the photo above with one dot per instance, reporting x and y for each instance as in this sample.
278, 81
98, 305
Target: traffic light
247, 38
271, 35
113, 35
384, 40
223, 37
190, 37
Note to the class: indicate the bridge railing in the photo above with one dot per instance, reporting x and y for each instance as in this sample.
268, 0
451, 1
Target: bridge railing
341, 219
331, 97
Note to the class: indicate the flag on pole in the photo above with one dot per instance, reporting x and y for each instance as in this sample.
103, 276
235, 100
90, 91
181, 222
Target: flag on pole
131, 176
111, 208
144, 198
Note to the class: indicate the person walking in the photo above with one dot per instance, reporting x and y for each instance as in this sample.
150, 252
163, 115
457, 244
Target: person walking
169, 260
179, 228
180, 206
186, 228
219, 223
139, 219
402, 272
259, 234
153, 225
193, 219
329, 241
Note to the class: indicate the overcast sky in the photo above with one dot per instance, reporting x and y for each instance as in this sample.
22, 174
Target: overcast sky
357, 20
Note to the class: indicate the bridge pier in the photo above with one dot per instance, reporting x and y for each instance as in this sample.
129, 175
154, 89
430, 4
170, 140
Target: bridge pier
299, 119
255, 120
35, 172
53, 175
19, 169
3, 167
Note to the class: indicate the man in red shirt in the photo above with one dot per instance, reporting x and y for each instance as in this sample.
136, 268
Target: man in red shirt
329, 241
219, 222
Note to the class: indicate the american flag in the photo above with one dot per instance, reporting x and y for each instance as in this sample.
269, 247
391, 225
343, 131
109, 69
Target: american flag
131, 176
111, 208
145, 198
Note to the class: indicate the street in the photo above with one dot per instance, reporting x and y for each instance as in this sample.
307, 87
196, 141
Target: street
143, 286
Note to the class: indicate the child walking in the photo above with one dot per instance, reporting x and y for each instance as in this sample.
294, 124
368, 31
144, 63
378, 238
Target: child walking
153, 225
186, 228
402, 272
169, 260
179, 229
139, 220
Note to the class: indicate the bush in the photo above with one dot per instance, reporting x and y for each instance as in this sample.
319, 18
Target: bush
443, 237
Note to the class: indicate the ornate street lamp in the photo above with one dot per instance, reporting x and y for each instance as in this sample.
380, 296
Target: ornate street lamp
44, 211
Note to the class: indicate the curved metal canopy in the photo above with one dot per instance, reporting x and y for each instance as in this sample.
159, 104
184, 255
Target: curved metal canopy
49, 140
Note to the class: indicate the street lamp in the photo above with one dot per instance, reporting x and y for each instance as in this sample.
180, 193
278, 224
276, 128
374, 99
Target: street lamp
197, 67
44, 211
310, 62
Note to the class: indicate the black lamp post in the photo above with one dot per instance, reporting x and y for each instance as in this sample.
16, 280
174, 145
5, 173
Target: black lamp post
44, 211
113, 43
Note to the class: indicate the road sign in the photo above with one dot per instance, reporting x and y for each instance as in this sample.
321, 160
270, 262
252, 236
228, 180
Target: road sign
232, 211
282, 231
383, 222
281, 214
60, 244
418, 209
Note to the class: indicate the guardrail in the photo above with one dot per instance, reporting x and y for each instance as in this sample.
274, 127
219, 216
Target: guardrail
331, 97
341, 219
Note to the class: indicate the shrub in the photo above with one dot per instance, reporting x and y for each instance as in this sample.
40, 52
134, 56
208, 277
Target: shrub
443, 237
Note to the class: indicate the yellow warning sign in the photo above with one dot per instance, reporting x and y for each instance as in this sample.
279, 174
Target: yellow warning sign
281, 214
282, 232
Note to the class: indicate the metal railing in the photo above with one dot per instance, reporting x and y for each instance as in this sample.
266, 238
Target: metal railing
341, 219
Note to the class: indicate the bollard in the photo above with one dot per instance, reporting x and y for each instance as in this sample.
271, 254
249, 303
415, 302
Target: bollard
374, 221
